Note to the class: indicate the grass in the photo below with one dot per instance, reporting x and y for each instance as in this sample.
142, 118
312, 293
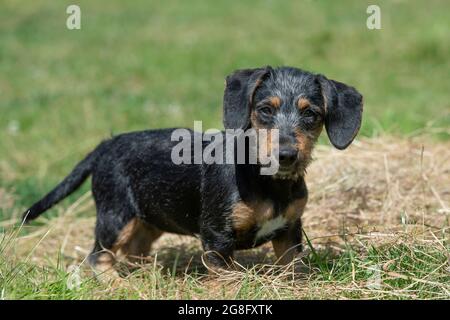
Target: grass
405, 267
149, 64
381, 237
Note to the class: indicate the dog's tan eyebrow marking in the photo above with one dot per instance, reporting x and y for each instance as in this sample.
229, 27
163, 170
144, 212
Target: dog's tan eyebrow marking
303, 103
275, 101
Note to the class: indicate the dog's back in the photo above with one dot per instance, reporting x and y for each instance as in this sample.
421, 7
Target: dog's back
138, 168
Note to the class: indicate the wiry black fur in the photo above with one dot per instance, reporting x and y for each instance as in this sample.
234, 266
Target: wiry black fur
133, 175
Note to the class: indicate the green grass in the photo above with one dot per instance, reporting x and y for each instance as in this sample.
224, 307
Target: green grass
150, 64
401, 269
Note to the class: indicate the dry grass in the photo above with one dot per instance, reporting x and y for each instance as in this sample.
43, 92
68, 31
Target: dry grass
378, 213
379, 184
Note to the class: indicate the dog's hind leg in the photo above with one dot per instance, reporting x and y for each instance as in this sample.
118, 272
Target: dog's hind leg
115, 225
128, 238
138, 244
119, 233
103, 256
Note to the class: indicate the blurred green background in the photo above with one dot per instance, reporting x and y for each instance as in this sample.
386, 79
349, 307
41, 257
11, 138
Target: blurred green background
149, 64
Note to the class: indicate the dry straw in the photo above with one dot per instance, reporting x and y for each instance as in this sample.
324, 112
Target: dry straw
379, 191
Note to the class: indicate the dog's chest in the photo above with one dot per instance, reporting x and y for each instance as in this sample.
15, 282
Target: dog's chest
258, 222
270, 227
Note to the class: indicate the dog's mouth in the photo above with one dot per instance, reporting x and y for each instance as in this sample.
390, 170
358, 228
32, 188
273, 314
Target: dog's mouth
288, 170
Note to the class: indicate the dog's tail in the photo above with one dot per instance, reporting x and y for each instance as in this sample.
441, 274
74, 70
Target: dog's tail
70, 183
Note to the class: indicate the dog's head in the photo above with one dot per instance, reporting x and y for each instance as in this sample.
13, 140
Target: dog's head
298, 104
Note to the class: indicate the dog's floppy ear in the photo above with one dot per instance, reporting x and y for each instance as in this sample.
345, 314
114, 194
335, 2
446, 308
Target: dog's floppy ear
344, 105
239, 91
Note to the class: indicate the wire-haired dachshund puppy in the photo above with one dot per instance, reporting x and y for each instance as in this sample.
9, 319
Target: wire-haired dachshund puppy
140, 192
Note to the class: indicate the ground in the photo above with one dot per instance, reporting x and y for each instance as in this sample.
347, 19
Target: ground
378, 215
376, 227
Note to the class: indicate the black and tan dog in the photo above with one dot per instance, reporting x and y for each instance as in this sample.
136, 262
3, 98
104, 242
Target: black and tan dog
140, 193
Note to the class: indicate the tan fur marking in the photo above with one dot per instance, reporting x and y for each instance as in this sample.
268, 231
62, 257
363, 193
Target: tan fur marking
133, 243
295, 209
275, 101
268, 143
245, 216
125, 235
303, 103
104, 268
284, 250
105, 261
267, 147
138, 245
304, 144
254, 120
283, 246
135, 240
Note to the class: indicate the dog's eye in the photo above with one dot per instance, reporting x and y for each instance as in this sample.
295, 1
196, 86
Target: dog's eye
309, 114
265, 110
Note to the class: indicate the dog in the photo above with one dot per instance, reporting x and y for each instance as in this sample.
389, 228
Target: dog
140, 193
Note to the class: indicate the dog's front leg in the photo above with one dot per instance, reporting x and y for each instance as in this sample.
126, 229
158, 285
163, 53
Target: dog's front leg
289, 243
218, 247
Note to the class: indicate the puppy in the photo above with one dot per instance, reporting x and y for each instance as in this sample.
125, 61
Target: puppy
140, 192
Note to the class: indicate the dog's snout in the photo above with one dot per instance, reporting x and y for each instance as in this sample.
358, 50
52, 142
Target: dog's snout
287, 156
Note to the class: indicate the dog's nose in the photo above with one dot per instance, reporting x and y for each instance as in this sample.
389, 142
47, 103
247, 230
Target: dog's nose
287, 156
